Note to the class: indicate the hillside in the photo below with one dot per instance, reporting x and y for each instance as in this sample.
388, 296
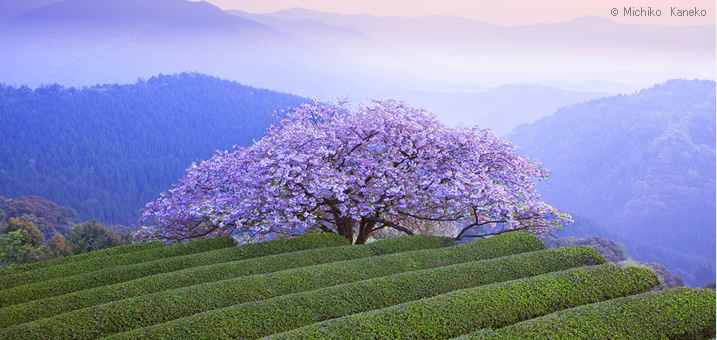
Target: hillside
47, 216
106, 150
695, 270
442, 63
642, 165
317, 286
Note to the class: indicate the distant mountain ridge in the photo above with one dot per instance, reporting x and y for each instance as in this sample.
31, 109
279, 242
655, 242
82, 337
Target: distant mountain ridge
500, 109
10, 8
642, 165
583, 31
105, 151
81, 42
125, 11
328, 56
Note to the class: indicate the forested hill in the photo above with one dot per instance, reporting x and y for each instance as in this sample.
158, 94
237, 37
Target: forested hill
107, 150
643, 165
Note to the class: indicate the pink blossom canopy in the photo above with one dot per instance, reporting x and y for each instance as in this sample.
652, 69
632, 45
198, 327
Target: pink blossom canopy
356, 171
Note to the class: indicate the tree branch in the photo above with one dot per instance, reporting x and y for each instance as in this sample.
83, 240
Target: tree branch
389, 224
502, 231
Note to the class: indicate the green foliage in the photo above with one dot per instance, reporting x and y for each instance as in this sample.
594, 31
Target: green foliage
93, 236
21, 242
198, 253
611, 251
262, 318
40, 290
679, 313
346, 291
38, 218
104, 317
62, 279
671, 281
107, 254
49, 217
3, 219
106, 150
30, 234
13, 248
227, 284
56, 247
494, 306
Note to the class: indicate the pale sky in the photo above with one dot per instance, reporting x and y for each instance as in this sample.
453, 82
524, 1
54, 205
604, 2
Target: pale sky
501, 12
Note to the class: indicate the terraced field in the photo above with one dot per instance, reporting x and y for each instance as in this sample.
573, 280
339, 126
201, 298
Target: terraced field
317, 286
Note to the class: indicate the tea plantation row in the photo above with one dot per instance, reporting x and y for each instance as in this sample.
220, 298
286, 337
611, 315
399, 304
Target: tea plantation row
318, 286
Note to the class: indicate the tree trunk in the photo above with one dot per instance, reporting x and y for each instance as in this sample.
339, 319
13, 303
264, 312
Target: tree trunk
345, 228
364, 231
362, 237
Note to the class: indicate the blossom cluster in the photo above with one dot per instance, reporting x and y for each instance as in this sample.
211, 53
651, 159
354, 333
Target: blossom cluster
355, 171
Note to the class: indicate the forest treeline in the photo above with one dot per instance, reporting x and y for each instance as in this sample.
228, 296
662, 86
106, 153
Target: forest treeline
107, 150
34, 229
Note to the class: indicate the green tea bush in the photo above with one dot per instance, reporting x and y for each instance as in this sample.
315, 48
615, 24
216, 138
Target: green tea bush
65, 285
492, 306
678, 313
104, 262
82, 257
243, 289
265, 317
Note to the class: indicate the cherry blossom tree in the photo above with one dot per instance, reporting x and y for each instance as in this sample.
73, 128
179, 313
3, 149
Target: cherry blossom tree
354, 172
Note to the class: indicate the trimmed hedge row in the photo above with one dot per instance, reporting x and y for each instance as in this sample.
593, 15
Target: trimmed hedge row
64, 285
82, 257
265, 317
236, 271
104, 262
258, 287
496, 305
679, 313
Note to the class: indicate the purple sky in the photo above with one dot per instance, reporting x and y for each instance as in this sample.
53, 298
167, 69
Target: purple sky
502, 12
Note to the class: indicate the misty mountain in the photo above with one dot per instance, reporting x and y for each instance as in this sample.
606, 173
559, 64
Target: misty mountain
590, 31
500, 109
454, 67
84, 42
642, 165
693, 269
587, 48
13, 7
107, 150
